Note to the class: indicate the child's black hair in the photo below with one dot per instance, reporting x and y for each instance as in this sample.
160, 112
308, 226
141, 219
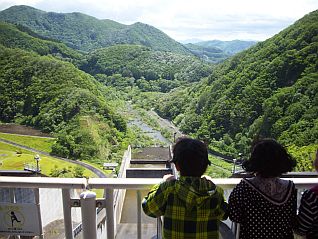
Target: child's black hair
269, 159
191, 155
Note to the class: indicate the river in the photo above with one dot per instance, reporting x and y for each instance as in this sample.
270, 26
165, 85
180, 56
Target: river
136, 120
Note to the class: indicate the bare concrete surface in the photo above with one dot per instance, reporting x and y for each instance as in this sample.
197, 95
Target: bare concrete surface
54, 230
151, 153
129, 230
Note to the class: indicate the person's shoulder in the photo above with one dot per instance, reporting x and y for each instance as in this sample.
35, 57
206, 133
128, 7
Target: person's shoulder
243, 183
219, 189
169, 184
288, 183
241, 186
311, 194
314, 189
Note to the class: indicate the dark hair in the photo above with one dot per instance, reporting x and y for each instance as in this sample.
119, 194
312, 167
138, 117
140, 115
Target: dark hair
191, 155
269, 159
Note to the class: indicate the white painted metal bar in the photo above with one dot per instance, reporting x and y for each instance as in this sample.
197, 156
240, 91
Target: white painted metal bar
39, 182
118, 183
110, 184
88, 208
123, 183
159, 227
110, 222
237, 232
37, 202
146, 183
138, 214
66, 196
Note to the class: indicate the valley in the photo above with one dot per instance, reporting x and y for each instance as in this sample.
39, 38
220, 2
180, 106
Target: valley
133, 85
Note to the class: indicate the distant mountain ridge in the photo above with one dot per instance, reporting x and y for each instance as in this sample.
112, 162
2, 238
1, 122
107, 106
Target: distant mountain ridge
230, 47
216, 51
86, 33
267, 91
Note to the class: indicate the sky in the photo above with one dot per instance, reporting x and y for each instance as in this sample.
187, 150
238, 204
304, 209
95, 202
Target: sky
185, 20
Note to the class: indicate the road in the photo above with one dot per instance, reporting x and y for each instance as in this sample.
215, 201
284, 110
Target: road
98, 172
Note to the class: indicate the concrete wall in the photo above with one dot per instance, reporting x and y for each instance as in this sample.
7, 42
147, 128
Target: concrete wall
147, 172
51, 205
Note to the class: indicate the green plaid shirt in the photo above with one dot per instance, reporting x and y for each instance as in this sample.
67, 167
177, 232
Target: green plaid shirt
192, 207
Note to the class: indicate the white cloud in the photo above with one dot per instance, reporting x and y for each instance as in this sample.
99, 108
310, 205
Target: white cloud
185, 19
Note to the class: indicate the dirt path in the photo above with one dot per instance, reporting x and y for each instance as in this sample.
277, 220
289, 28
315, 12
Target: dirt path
22, 130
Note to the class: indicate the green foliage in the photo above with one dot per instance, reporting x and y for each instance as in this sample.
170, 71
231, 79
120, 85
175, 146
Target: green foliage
15, 158
40, 143
67, 172
131, 65
304, 155
78, 172
11, 36
56, 97
87, 33
269, 90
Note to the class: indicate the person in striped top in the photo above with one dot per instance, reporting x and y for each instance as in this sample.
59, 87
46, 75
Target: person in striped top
307, 218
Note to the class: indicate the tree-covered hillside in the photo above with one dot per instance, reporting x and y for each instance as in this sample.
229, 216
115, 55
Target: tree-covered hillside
270, 90
12, 36
216, 51
87, 33
228, 47
56, 97
133, 65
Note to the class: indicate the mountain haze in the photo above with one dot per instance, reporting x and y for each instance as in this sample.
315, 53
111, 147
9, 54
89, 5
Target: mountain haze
229, 47
216, 51
86, 33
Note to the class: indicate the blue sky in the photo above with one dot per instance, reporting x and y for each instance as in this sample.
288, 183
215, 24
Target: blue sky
188, 19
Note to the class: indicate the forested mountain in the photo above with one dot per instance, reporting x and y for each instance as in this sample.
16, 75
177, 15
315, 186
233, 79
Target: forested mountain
132, 65
87, 33
270, 90
54, 96
21, 37
216, 51
228, 47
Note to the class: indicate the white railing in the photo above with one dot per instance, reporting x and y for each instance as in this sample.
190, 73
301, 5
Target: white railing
109, 185
119, 195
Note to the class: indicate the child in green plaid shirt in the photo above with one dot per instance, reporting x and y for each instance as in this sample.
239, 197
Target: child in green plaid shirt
192, 205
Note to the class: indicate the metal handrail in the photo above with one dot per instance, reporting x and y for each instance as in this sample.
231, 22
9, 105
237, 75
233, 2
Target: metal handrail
109, 184
42, 182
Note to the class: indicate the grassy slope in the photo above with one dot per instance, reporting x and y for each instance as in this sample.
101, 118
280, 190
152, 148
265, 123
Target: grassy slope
11, 160
39, 143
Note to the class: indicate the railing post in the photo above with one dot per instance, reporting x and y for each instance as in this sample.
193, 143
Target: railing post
159, 228
37, 202
88, 208
110, 222
138, 214
67, 213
